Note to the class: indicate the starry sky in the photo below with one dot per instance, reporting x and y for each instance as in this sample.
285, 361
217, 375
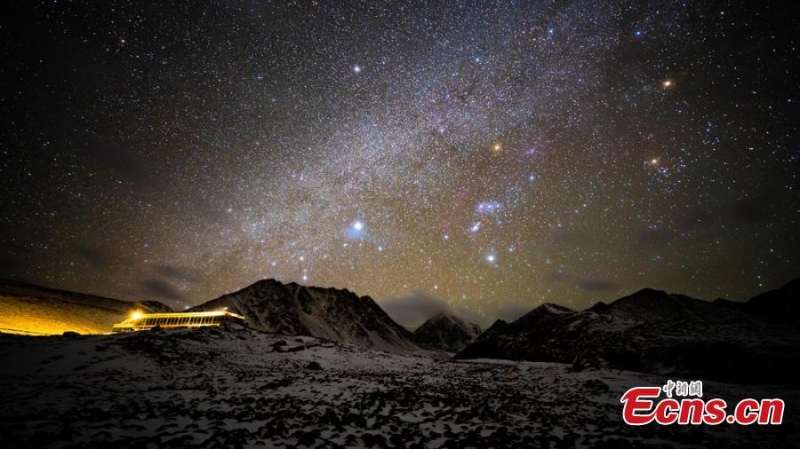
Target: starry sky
493, 155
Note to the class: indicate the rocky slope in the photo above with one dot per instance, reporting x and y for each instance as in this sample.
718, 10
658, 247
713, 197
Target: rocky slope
446, 332
328, 313
651, 331
782, 304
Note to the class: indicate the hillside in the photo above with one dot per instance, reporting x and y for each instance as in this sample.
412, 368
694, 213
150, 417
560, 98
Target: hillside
338, 315
446, 332
34, 310
656, 332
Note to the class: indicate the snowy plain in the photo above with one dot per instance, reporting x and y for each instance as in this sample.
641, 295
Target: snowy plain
233, 387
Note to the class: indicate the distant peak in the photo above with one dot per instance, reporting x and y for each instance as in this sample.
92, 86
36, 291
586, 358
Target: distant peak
649, 292
550, 307
599, 307
269, 281
444, 315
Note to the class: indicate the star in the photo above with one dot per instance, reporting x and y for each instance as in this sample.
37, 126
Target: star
356, 230
386, 131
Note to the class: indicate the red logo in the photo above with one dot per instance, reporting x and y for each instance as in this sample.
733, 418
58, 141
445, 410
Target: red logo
641, 406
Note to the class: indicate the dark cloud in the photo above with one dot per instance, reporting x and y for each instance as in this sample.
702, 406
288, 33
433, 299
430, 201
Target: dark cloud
178, 273
95, 258
557, 277
596, 285
411, 311
160, 289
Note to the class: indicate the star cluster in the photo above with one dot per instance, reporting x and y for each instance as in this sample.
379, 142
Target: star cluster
496, 155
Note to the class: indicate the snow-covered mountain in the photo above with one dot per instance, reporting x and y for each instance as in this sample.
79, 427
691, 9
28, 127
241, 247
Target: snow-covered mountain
446, 332
333, 314
31, 309
651, 331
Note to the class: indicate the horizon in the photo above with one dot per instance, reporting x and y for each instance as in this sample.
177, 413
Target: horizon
413, 310
490, 159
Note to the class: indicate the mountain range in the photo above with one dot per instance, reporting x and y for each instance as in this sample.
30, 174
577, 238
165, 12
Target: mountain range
648, 331
656, 332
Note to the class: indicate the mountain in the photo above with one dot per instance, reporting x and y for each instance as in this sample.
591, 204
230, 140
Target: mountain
34, 310
653, 331
338, 315
782, 304
446, 332
548, 333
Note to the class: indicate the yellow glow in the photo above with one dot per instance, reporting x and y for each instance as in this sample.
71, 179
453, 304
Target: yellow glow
667, 84
45, 316
179, 319
136, 315
497, 148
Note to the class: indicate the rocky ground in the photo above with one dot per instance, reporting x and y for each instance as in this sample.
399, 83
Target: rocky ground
235, 387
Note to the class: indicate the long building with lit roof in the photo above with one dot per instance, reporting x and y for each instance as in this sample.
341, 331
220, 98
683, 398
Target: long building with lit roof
145, 321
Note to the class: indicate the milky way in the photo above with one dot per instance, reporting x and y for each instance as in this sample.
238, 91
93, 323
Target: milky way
495, 156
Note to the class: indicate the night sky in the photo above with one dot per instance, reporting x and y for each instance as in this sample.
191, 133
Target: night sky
495, 156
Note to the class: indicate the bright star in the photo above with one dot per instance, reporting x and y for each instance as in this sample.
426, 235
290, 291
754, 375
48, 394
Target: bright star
356, 230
